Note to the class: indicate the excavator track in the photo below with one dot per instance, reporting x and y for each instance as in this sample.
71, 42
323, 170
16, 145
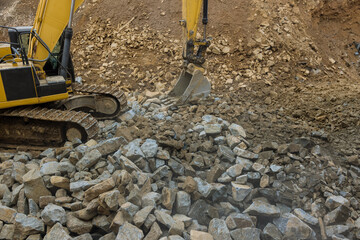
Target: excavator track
117, 97
39, 126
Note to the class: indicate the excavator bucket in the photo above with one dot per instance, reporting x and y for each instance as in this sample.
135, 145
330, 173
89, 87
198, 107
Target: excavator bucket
190, 87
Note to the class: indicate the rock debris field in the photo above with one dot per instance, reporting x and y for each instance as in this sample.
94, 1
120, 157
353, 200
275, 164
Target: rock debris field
272, 154
195, 179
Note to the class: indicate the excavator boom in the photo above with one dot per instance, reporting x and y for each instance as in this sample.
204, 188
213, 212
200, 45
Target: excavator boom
51, 19
192, 85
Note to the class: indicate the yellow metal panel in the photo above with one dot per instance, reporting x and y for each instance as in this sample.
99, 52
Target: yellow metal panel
4, 49
22, 102
2, 91
53, 98
51, 19
33, 101
191, 12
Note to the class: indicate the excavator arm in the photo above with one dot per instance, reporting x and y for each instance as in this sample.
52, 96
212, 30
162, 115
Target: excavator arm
52, 17
192, 85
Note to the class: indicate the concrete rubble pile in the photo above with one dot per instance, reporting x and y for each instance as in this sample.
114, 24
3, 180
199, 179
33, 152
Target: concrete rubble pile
167, 172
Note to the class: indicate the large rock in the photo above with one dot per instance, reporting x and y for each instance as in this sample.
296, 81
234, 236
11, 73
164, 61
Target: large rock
337, 216
240, 192
245, 154
293, 228
149, 148
183, 202
129, 232
89, 159
333, 202
200, 211
154, 233
219, 230
99, 188
237, 130
7, 214
76, 225
110, 145
25, 226
60, 182
263, 209
141, 215
246, 234
53, 214
49, 168
198, 235
272, 232
239, 220
34, 185
57, 232
164, 218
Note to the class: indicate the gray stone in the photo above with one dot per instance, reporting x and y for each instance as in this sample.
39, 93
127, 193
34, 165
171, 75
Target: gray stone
76, 225
50, 153
306, 217
150, 199
7, 232
133, 150
212, 129
85, 236
204, 188
271, 232
89, 159
247, 164
53, 214
235, 170
109, 146
109, 236
177, 167
66, 167
49, 168
336, 229
220, 140
247, 233
129, 210
200, 211
333, 202
219, 230
232, 141
25, 226
57, 232
164, 218
129, 232
263, 209
240, 192
161, 173
237, 130
293, 228
338, 215
226, 154
81, 185
239, 220
245, 154
154, 233
34, 185
276, 168
141, 215
183, 202
149, 148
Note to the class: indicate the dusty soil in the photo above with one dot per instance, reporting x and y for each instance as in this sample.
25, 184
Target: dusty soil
285, 68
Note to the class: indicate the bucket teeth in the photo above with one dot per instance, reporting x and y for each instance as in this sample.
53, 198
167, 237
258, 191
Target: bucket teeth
191, 87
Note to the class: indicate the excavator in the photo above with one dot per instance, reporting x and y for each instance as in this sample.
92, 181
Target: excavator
40, 101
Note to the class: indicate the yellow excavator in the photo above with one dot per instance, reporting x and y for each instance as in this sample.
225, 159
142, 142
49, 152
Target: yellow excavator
40, 103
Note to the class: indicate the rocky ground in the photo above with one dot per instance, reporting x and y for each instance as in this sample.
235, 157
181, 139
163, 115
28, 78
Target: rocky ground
272, 154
